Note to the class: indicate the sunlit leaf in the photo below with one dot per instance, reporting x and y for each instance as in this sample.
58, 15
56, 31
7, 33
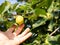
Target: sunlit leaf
4, 7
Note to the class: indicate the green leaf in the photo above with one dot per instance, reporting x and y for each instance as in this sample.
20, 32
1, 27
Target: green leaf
15, 6
54, 40
39, 23
51, 25
35, 1
45, 4
4, 7
40, 11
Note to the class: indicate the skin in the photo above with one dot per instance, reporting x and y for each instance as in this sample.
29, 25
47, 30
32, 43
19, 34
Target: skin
11, 37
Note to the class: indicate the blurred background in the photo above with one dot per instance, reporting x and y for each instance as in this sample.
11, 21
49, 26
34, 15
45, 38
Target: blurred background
41, 16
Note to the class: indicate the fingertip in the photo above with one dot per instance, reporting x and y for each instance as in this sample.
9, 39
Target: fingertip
28, 29
30, 33
22, 25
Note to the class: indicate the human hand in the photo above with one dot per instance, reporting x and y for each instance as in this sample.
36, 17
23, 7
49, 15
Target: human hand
11, 37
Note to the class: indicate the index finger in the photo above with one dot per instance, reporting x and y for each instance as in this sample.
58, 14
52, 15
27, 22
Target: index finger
11, 29
19, 29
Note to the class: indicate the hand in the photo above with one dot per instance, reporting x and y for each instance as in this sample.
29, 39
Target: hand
11, 37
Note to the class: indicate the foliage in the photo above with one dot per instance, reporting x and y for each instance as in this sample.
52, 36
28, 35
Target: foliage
42, 16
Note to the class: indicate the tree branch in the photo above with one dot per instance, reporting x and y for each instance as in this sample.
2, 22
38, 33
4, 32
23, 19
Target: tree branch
54, 31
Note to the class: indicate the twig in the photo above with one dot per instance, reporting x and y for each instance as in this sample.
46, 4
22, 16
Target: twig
54, 31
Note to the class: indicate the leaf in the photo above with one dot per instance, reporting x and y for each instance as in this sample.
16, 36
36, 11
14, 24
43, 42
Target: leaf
32, 17
45, 4
35, 1
53, 6
54, 40
51, 25
2, 19
15, 6
4, 7
39, 23
40, 11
